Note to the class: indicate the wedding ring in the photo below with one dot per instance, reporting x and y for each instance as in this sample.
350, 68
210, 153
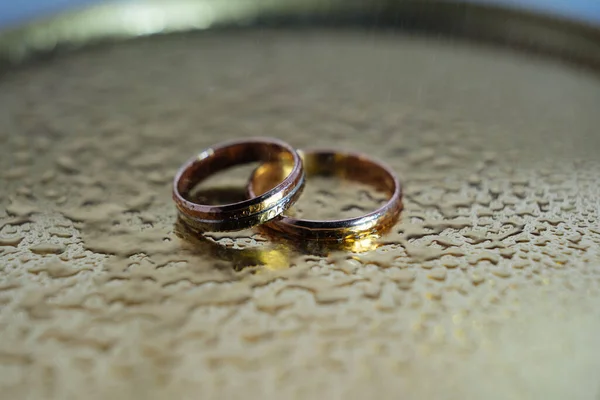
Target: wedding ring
244, 214
351, 166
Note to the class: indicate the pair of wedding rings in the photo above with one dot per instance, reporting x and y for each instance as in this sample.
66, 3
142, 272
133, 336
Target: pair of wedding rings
277, 184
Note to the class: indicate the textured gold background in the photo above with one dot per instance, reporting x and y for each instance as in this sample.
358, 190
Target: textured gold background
486, 288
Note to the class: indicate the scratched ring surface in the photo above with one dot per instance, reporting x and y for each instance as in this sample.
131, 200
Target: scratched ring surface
246, 213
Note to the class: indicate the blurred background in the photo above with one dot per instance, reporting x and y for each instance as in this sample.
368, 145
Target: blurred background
13, 12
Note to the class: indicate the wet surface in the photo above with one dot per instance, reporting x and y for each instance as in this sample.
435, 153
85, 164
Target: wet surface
486, 288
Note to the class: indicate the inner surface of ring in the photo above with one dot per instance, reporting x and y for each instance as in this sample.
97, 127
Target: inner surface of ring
216, 160
344, 166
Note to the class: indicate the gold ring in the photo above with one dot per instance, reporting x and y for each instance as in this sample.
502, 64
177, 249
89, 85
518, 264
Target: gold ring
244, 214
351, 166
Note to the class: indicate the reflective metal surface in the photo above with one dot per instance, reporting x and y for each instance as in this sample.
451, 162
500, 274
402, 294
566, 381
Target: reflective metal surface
488, 286
249, 212
337, 165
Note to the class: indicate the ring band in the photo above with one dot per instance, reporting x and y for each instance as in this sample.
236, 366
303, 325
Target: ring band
244, 214
351, 166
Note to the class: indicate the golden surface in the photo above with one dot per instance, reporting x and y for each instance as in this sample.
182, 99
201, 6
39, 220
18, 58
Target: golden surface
486, 288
